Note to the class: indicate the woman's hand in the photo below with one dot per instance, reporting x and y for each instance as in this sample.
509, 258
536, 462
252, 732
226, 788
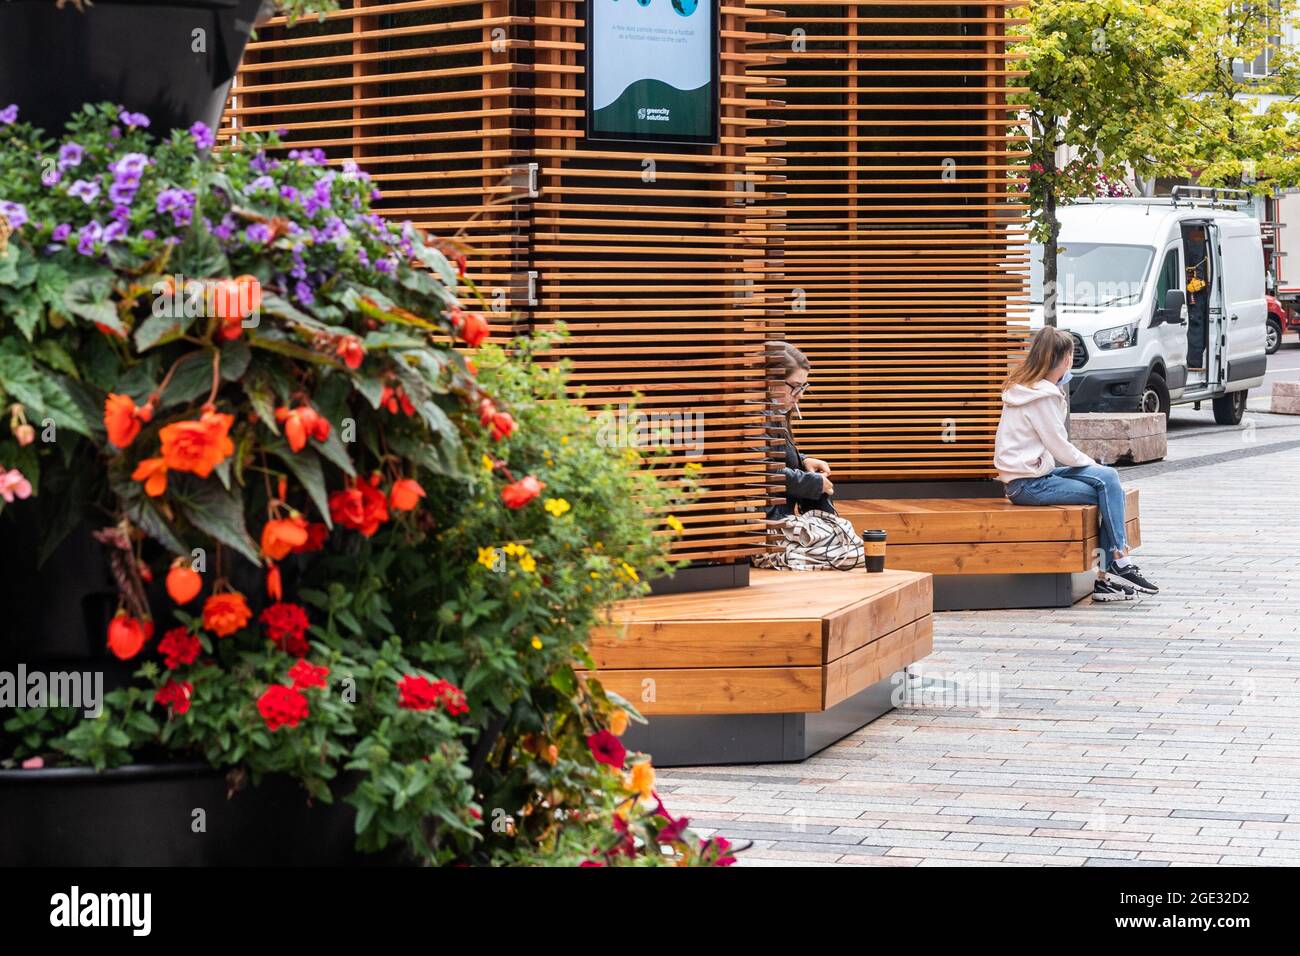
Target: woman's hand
827, 486
817, 466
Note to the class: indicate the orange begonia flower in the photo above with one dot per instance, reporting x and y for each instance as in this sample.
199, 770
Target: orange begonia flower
198, 446
153, 472
121, 419
226, 613
405, 494
280, 536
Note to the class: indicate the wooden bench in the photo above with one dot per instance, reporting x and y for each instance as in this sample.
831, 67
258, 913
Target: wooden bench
770, 672
988, 552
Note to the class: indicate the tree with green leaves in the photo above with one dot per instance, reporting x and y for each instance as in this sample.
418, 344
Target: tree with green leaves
1235, 124
1095, 70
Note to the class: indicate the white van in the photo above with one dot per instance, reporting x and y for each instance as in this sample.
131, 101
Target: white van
1165, 300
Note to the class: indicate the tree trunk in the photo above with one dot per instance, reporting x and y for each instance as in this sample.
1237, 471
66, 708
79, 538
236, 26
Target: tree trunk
1050, 222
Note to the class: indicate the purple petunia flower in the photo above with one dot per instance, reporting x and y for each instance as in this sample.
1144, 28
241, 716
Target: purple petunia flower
289, 193
202, 135
130, 166
134, 120
386, 265
89, 234
16, 213
70, 155
61, 232
9, 114
260, 184
179, 202
121, 213
260, 163
225, 230
123, 191
258, 234
51, 176
302, 292
148, 234
85, 190
114, 230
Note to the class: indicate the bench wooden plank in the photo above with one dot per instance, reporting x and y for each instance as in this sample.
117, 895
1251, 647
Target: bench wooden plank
782, 618
944, 520
719, 690
873, 662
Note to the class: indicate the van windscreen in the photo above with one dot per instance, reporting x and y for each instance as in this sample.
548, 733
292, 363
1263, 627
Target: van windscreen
1092, 274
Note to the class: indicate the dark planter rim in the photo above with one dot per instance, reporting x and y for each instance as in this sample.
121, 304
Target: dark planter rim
128, 773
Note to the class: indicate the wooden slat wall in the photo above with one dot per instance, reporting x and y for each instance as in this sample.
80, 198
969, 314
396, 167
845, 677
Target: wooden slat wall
448, 102
650, 256
893, 271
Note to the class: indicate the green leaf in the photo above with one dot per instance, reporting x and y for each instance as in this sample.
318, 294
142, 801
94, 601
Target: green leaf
219, 513
160, 330
306, 467
90, 298
199, 254
192, 378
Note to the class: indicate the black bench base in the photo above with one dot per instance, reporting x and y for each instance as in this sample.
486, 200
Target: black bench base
715, 739
985, 592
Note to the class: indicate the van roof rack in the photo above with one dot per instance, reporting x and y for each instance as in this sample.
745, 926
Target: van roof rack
1212, 197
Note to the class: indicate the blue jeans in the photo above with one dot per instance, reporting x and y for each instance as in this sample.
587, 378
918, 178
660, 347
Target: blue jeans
1089, 485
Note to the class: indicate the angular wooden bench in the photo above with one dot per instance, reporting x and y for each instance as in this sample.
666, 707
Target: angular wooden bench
988, 552
770, 672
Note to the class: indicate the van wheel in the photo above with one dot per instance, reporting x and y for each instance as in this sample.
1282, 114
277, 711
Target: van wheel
1155, 396
1229, 409
1272, 335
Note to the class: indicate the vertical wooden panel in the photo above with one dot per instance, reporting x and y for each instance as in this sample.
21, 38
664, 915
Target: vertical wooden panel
894, 274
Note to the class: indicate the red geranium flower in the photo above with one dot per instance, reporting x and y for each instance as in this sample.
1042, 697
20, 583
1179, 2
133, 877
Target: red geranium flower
178, 646
282, 706
286, 625
306, 676
607, 748
419, 693
175, 694
317, 534
351, 351
405, 494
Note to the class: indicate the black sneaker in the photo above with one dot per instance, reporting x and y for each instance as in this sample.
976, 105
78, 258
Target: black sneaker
1133, 578
1104, 590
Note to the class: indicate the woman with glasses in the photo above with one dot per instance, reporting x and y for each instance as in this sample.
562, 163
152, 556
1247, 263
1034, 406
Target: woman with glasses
808, 485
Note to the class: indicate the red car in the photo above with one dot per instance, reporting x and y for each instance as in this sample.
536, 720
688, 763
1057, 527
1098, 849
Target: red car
1280, 320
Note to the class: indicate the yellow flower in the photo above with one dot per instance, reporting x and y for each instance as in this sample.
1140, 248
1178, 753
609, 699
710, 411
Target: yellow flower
564, 439
537, 643
595, 575
528, 564
630, 456
487, 557
630, 572
599, 546
675, 523
642, 779
618, 722
515, 550
556, 506
487, 463
692, 468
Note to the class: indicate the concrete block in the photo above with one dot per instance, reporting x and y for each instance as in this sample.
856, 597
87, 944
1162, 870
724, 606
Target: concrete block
1121, 438
1286, 398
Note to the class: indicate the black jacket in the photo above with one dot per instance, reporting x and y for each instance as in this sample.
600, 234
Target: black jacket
803, 489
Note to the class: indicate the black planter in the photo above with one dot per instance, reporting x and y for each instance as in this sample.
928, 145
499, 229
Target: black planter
144, 815
172, 61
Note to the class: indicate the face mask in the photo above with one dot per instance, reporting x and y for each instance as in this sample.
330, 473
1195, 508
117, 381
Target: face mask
1065, 379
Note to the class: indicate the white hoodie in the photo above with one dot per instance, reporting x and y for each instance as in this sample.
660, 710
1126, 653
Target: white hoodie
1031, 438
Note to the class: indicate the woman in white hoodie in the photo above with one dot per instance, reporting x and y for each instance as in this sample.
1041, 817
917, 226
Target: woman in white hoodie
1039, 466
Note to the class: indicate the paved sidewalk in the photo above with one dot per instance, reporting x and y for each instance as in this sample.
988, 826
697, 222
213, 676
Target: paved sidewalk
1156, 732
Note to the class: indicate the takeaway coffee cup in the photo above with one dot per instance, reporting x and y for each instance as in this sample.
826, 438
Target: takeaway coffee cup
873, 546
